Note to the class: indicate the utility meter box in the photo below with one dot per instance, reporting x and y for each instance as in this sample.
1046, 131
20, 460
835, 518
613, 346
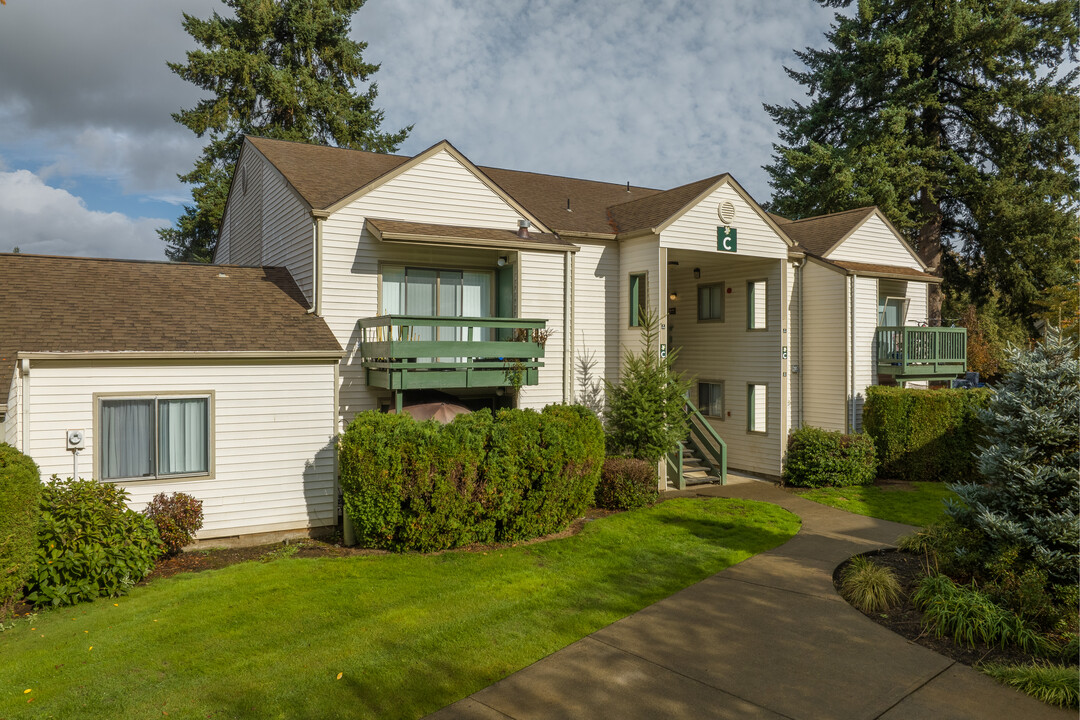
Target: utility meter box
76, 439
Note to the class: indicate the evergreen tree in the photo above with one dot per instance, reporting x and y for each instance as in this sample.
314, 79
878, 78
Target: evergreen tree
1029, 497
645, 417
283, 69
950, 116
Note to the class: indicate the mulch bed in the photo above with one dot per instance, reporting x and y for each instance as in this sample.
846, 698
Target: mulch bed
906, 620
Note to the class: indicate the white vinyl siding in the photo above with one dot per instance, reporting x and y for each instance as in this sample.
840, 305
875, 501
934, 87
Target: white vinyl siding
542, 292
696, 228
637, 256
866, 316
824, 352
873, 242
273, 429
726, 352
438, 190
11, 430
245, 217
597, 313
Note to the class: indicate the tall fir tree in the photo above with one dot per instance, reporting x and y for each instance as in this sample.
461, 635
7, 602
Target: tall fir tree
1028, 498
644, 416
283, 69
952, 116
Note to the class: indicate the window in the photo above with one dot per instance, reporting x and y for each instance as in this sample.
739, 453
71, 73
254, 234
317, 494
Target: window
148, 437
757, 406
892, 311
441, 293
710, 302
711, 399
639, 294
756, 297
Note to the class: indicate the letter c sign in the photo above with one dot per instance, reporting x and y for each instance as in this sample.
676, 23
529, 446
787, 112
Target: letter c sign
727, 239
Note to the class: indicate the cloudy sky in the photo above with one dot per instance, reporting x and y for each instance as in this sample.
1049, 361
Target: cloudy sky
657, 92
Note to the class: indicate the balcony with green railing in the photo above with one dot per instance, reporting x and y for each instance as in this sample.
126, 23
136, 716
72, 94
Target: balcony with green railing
414, 352
921, 353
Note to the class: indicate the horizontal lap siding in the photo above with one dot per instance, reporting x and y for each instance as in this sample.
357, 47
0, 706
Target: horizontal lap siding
873, 242
636, 256
542, 292
727, 352
287, 231
439, 190
866, 316
696, 228
245, 220
273, 436
824, 338
597, 314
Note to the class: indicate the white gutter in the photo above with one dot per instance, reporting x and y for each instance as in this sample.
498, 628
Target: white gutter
799, 280
568, 328
851, 358
182, 355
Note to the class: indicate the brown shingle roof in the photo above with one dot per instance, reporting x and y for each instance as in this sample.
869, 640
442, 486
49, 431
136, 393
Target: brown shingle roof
875, 269
818, 234
396, 229
652, 211
321, 174
546, 196
67, 304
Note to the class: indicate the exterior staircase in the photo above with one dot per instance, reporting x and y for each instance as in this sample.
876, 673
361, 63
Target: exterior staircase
701, 458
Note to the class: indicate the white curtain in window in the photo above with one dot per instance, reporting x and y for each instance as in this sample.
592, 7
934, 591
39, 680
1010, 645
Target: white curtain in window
476, 300
127, 438
183, 435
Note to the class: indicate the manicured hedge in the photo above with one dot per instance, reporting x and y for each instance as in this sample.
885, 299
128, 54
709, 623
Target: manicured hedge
925, 434
20, 495
411, 485
626, 484
823, 458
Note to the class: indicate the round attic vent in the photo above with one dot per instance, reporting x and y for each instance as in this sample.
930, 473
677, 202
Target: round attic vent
726, 211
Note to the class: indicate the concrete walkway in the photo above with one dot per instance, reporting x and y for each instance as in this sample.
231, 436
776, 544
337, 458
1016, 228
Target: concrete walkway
767, 638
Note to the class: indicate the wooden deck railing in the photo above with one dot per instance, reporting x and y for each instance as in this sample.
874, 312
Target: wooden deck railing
924, 353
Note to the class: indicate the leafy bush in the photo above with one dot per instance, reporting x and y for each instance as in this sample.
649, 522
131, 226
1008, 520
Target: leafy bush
20, 497
89, 543
868, 586
626, 484
1030, 463
821, 458
1053, 684
925, 434
177, 517
423, 486
969, 616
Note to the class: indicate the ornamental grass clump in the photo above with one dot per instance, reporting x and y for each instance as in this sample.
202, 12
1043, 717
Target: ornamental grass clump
969, 616
1053, 684
868, 586
177, 516
89, 543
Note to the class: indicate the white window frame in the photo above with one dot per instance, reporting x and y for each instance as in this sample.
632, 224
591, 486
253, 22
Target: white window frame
904, 303
750, 410
98, 439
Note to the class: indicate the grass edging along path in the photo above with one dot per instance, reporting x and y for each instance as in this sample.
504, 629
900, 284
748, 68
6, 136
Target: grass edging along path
916, 503
408, 634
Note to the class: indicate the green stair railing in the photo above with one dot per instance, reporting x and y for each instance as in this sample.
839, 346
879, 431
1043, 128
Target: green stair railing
710, 447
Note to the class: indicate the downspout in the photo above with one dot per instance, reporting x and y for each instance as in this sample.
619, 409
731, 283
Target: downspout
799, 280
851, 358
568, 328
316, 247
24, 407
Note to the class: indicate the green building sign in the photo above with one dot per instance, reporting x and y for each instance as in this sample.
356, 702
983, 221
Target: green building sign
727, 239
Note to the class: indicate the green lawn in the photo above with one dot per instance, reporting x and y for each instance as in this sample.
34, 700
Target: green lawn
923, 504
407, 633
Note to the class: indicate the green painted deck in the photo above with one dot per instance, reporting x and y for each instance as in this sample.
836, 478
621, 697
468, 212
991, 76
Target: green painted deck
921, 353
413, 352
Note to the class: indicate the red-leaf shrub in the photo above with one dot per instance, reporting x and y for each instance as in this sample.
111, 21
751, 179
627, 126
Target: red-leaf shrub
178, 517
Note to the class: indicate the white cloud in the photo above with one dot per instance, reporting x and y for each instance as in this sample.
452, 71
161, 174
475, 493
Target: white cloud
37, 218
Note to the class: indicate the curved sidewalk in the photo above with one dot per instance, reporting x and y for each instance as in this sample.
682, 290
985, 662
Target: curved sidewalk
767, 638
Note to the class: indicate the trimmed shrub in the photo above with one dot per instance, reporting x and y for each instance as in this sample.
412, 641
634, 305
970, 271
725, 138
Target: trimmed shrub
89, 543
925, 434
823, 458
411, 485
177, 517
20, 498
626, 484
